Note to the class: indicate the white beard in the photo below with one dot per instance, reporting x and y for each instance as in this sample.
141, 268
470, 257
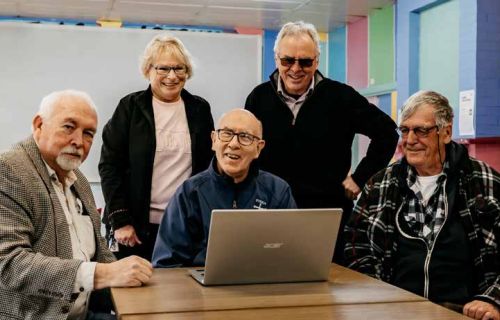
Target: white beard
67, 162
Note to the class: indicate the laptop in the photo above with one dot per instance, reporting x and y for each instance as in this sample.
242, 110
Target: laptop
269, 246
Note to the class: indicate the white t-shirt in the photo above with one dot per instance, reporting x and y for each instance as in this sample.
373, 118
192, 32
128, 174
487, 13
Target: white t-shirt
173, 163
427, 185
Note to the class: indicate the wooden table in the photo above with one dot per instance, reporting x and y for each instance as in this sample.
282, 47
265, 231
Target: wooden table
173, 294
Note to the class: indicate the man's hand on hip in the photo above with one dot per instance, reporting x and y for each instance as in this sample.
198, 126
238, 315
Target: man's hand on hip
352, 190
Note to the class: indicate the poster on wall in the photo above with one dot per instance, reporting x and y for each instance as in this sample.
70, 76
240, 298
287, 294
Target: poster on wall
466, 113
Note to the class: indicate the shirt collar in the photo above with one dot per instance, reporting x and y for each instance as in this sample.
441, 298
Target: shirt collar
411, 177
70, 178
282, 92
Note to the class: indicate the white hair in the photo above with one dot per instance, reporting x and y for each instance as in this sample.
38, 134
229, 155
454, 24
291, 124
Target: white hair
50, 101
295, 29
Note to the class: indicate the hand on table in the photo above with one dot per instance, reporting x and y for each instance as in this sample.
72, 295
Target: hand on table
481, 310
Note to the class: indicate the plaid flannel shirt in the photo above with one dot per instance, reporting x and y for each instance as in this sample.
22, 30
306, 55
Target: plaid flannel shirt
426, 220
371, 230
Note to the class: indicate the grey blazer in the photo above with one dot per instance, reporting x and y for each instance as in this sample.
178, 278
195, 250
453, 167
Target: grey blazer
37, 269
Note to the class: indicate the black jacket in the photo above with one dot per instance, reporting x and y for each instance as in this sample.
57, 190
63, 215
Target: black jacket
374, 244
128, 150
314, 155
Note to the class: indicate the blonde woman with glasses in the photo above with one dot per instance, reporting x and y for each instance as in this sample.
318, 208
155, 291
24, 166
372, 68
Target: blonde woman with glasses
156, 139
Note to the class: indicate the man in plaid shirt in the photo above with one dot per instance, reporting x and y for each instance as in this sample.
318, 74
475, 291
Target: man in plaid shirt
430, 223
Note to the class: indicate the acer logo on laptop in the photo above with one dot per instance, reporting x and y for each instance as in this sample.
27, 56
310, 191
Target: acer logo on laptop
275, 245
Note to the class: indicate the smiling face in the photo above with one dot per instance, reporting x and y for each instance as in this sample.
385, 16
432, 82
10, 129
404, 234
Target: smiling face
427, 153
64, 136
234, 159
296, 79
166, 87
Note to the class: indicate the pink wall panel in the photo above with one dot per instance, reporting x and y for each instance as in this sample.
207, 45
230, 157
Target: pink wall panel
485, 149
357, 53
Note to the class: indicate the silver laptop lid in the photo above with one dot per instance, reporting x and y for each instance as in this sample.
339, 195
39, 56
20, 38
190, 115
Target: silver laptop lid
268, 246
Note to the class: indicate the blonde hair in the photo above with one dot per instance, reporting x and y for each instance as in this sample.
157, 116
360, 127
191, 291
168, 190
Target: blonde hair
165, 43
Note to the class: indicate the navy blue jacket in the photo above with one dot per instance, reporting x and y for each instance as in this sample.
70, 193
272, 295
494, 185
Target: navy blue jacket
183, 234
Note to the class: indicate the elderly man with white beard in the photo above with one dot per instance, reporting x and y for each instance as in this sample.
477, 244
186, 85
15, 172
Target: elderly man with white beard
52, 255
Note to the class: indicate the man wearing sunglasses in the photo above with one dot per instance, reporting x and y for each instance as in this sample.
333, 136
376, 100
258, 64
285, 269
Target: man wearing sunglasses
430, 223
309, 125
231, 181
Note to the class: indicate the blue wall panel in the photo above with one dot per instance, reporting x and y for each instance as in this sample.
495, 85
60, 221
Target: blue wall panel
384, 103
488, 69
479, 52
268, 64
407, 45
337, 54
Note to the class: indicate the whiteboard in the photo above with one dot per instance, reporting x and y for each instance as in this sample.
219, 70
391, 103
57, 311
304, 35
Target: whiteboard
38, 59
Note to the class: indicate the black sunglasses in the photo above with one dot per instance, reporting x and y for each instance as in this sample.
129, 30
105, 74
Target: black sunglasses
303, 62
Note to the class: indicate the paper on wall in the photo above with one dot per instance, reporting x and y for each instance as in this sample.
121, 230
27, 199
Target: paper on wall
466, 113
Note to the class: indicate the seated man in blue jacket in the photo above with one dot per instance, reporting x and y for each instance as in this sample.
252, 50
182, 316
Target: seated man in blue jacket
231, 181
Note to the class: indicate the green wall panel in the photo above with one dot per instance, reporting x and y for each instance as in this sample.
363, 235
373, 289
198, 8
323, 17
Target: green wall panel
381, 46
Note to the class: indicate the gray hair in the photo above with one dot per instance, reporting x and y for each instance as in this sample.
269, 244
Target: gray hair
443, 112
50, 101
295, 29
165, 43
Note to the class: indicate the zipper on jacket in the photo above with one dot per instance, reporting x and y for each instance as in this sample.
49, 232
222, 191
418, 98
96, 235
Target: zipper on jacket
429, 250
235, 196
428, 258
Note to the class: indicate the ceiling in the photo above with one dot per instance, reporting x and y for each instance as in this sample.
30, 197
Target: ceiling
261, 14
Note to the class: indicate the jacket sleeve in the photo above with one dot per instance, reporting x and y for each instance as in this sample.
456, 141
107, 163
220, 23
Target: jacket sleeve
362, 251
372, 122
492, 294
114, 167
178, 241
489, 220
287, 200
22, 269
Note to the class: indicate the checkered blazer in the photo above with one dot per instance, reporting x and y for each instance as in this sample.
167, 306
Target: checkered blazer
37, 271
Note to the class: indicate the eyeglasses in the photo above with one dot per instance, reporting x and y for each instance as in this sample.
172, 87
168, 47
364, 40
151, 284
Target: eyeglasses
165, 70
420, 132
245, 139
303, 62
